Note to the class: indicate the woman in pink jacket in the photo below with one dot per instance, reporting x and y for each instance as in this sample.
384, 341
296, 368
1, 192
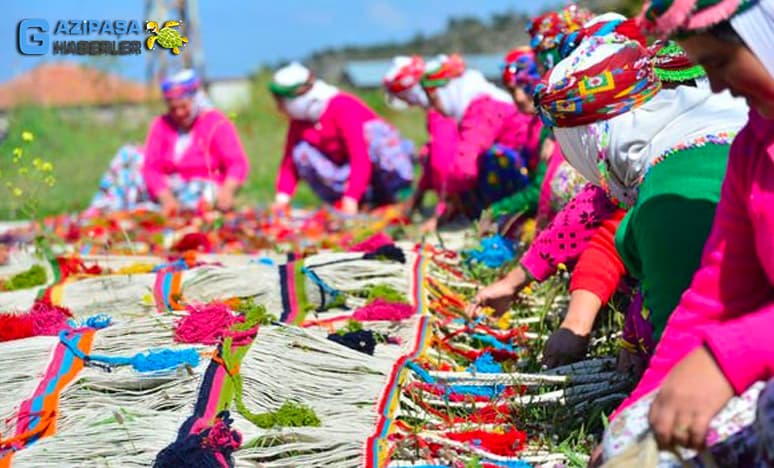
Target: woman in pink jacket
338, 145
192, 159
402, 82
708, 371
489, 154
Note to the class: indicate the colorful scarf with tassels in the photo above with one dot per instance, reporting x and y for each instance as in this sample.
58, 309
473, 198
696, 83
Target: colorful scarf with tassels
667, 17
672, 64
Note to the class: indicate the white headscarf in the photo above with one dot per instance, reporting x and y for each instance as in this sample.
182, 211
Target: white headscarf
631, 142
310, 105
628, 144
414, 95
756, 28
457, 95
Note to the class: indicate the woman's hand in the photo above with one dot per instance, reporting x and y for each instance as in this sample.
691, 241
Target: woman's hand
225, 198
570, 342
691, 395
499, 295
564, 346
169, 204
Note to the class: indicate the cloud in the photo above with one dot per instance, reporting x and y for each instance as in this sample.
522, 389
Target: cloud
385, 14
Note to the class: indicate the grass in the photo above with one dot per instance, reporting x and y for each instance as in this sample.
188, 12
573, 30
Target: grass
81, 148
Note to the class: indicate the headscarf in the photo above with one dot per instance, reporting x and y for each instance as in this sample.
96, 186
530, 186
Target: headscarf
457, 87
607, 23
753, 21
186, 84
604, 77
545, 29
304, 96
520, 70
672, 64
613, 123
402, 80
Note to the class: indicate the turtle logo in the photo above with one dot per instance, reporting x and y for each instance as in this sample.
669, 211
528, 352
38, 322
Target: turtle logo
167, 37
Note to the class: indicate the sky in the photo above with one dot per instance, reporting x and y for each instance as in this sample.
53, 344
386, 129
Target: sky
238, 36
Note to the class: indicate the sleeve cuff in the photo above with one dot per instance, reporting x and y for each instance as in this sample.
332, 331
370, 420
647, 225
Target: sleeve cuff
282, 198
734, 358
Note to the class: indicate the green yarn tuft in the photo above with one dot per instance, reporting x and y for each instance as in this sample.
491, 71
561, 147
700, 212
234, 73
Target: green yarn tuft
254, 314
383, 291
35, 276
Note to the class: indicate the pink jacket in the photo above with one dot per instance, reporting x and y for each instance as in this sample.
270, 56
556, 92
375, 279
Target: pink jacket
730, 305
545, 212
568, 234
339, 134
454, 153
215, 152
439, 129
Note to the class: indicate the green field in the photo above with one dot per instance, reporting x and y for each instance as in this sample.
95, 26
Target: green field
81, 148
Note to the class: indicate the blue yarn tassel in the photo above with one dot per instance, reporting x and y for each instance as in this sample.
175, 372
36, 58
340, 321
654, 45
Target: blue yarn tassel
485, 364
493, 251
156, 360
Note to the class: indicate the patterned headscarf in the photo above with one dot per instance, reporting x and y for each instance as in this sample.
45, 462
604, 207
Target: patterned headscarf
403, 77
442, 70
544, 31
606, 76
613, 122
753, 21
601, 25
184, 83
520, 69
672, 64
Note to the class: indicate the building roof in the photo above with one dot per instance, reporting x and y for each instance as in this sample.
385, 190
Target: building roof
62, 84
369, 73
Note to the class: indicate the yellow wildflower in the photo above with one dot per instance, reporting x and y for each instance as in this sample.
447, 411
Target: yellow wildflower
37, 162
504, 323
562, 267
46, 167
17, 152
17, 192
27, 136
527, 291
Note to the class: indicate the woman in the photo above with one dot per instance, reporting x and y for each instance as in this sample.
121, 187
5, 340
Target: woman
402, 81
594, 99
554, 182
192, 158
719, 335
600, 270
486, 158
337, 144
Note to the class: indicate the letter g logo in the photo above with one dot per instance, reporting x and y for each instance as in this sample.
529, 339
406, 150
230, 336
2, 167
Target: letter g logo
32, 38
